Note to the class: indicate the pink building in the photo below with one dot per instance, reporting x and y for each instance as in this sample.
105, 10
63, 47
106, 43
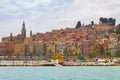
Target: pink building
85, 47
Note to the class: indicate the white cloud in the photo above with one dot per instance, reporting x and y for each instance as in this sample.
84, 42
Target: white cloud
45, 15
6, 6
33, 3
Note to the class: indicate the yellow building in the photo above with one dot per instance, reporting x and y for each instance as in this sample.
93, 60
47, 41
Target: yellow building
102, 26
19, 49
27, 40
50, 48
5, 39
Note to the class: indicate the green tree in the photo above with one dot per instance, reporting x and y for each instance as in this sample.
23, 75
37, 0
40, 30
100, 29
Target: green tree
78, 24
105, 20
80, 57
117, 52
91, 55
107, 54
118, 25
118, 31
111, 31
101, 19
110, 21
92, 23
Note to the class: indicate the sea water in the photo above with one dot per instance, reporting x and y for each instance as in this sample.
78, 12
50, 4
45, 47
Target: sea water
60, 73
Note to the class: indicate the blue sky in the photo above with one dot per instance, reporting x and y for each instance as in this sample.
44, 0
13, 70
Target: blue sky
46, 15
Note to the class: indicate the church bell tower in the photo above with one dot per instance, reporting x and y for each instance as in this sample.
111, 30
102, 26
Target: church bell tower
23, 31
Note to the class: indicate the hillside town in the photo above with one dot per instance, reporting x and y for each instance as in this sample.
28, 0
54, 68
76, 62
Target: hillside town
84, 42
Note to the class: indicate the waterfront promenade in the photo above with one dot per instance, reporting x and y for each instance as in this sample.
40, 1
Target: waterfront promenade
46, 63
37, 61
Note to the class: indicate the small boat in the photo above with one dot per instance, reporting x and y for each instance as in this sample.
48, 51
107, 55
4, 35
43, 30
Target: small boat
58, 65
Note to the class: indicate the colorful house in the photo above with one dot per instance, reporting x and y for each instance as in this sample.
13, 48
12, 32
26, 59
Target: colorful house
19, 50
85, 47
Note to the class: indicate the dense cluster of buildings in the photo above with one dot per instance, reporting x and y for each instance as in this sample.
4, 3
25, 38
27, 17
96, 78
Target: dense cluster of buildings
92, 40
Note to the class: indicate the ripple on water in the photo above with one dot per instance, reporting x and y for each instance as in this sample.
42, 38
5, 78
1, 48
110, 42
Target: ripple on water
59, 73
